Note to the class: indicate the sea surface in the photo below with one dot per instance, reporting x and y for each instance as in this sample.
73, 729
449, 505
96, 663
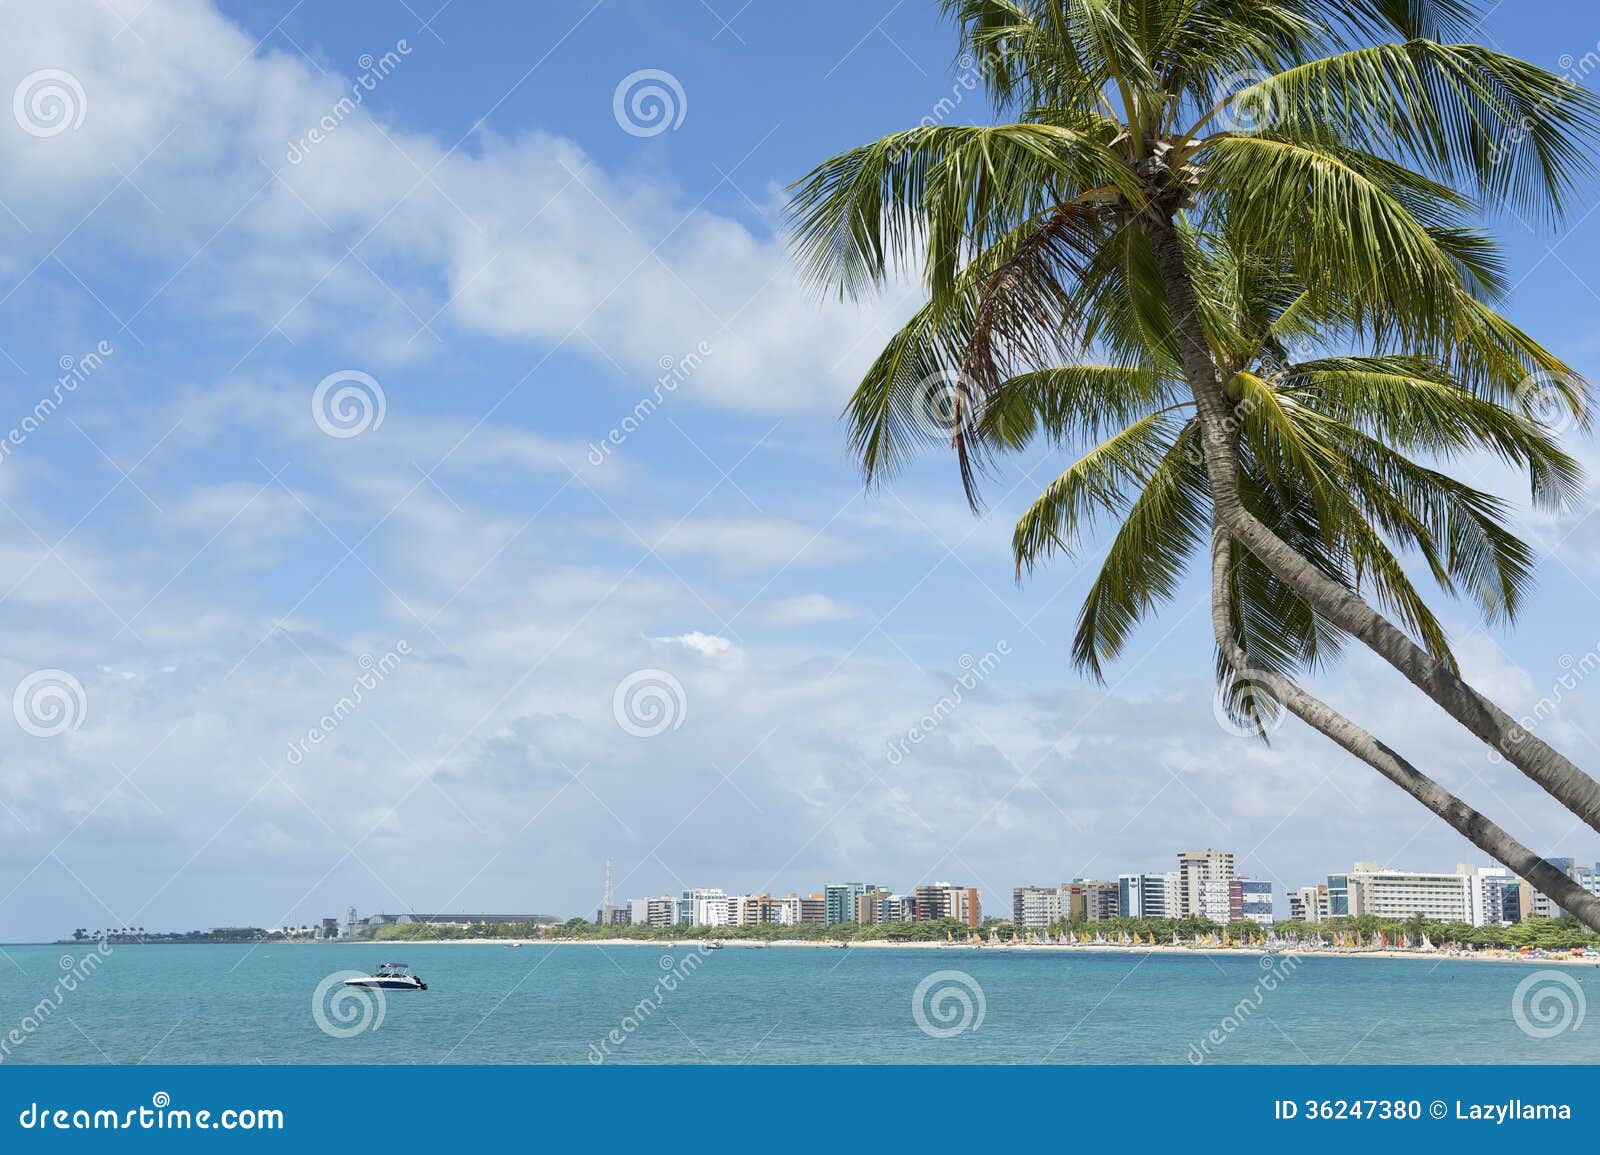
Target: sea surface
572, 1003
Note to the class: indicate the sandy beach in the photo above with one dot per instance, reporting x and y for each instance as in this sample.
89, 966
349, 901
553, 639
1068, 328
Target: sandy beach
1500, 956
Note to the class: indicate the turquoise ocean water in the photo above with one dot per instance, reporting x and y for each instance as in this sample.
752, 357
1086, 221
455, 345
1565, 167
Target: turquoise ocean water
566, 1004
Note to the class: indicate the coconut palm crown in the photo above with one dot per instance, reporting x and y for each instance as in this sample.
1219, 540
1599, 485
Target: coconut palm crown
1236, 247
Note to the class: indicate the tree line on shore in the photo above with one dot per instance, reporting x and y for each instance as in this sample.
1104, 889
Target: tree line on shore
1539, 933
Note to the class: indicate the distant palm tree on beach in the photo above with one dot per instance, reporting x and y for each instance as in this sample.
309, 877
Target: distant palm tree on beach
1233, 246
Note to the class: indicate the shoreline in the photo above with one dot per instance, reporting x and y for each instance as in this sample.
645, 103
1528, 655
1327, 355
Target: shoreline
1498, 956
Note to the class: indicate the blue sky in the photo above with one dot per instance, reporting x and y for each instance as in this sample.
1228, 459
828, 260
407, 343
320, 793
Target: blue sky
485, 241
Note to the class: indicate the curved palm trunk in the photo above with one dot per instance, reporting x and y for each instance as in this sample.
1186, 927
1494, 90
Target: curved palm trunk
1467, 822
1564, 780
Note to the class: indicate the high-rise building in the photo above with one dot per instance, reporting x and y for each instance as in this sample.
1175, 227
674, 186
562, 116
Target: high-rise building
703, 906
1148, 895
660, 911
1101, 900
942, 900
889, 907
1588, 877
755, 909
813, 908
1036, 907
1404, 893
1496, 896
1337, 892
1203, 878
868, 906
1310, 903
840, 898
1250, 900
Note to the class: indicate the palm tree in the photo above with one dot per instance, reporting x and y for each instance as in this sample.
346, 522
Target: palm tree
1148, 206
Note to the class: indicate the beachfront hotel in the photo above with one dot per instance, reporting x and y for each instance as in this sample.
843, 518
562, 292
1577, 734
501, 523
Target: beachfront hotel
1148, 895
942, 900
841, 899
1036, 907
1203, 879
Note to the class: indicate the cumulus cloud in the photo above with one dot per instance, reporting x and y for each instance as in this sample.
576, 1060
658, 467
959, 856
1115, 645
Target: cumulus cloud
189, 156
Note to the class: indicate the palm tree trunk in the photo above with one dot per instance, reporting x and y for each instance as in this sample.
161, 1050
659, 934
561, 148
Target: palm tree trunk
1564, 780
1556, 884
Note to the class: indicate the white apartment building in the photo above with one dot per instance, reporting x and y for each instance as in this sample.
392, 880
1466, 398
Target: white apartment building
752, 909
707, 906
1404, 893
659, 911
1149, 895
1203, 878
1036, 907
1310, 903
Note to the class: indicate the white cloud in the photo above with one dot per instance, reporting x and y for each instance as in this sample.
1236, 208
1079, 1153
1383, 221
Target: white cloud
706, 645
525, 238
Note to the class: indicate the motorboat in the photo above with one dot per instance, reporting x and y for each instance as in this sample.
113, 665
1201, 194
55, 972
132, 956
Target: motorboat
389, 977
